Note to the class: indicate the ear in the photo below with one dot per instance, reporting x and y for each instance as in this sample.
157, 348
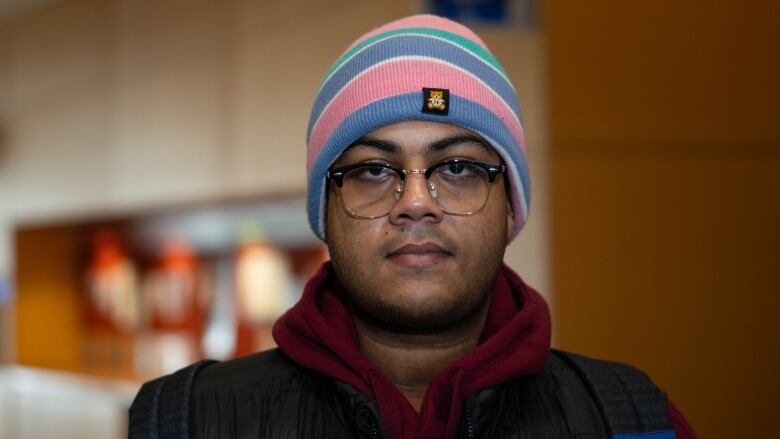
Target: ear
510, 220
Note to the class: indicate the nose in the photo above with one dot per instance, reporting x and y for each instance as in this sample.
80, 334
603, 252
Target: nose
416, 202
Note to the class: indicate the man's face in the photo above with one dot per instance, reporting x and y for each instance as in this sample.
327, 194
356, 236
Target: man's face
418, 269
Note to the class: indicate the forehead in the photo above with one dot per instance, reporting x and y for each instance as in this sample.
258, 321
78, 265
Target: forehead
418, 131
421, 138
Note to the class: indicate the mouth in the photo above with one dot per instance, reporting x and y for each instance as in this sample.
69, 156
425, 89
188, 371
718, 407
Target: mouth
423, 255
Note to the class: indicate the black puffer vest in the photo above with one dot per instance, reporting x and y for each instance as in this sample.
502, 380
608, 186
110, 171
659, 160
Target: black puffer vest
266, 395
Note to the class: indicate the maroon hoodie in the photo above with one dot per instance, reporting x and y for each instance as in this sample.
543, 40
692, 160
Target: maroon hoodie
318, 333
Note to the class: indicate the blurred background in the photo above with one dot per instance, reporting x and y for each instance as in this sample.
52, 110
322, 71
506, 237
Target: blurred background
152, 184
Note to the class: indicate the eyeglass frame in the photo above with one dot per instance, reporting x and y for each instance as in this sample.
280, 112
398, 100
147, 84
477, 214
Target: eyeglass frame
337, 175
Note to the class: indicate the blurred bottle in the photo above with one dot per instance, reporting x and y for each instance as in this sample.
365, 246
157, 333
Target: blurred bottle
112, 285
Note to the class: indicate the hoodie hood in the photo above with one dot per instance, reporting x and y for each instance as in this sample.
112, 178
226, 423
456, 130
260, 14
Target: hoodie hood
318, 333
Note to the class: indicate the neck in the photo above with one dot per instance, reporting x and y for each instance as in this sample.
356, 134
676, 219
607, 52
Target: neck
411, 361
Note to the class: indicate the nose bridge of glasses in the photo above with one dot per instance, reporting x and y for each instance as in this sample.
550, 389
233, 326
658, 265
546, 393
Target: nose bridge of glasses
402, 185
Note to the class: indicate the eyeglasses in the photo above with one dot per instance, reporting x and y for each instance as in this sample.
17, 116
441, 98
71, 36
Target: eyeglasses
370, 190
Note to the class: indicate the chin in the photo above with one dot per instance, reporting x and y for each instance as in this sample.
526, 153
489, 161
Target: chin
411, 311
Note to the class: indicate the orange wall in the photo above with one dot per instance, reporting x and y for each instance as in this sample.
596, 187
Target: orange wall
48, 321
666, 198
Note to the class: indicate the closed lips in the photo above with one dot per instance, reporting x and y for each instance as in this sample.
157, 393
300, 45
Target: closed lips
419, 249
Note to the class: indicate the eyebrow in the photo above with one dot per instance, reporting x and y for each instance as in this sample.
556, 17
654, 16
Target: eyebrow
437, 146
446, 142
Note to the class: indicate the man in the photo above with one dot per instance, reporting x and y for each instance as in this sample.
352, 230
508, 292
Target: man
416, 329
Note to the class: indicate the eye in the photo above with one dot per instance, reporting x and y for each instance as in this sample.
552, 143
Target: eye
371, 173
375, 170
455, 168
460, 170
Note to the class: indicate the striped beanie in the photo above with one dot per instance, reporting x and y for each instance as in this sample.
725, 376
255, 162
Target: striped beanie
386, 75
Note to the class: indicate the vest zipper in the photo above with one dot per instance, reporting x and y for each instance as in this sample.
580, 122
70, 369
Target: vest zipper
469, 424
367, 422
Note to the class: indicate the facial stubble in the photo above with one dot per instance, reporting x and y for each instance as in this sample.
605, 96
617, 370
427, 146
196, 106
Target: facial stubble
461, 305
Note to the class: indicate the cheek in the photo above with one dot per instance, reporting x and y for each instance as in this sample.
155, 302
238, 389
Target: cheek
347, 236
334, 226
496, 225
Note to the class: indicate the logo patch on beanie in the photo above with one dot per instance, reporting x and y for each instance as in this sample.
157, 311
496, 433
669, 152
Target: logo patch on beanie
436, 101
